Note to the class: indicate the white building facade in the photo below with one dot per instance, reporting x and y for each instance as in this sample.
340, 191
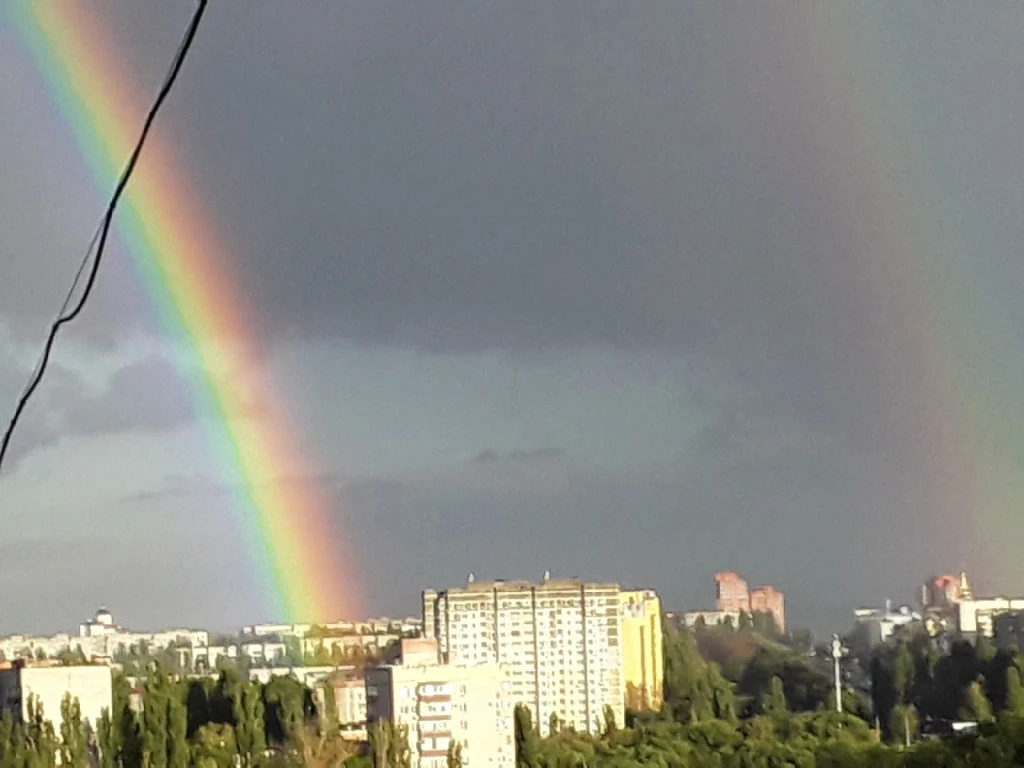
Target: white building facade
561, 639
441, 704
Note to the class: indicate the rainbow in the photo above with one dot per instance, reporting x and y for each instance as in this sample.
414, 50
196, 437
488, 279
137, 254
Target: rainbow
286, 522
929, 336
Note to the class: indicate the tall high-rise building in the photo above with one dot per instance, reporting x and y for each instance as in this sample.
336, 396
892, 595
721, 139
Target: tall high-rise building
769, 600
561, 638
642, 645
732, 592
440, 704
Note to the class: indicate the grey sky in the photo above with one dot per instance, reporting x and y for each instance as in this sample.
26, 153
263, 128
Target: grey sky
656, 263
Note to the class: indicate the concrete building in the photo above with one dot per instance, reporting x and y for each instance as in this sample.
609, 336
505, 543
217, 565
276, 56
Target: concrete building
946, 591
348, 689
561, 638
733, 596
874, 626
693, 619
731, 593
384, 625
99, 638
91, 684
643, 672
772, 601
441, 704
977, 616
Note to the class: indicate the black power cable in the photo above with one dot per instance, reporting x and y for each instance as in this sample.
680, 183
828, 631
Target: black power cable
95, 255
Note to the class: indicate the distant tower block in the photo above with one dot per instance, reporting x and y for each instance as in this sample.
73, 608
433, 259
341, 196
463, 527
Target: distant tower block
733, 594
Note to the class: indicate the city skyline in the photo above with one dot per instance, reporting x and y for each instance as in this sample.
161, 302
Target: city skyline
632, 294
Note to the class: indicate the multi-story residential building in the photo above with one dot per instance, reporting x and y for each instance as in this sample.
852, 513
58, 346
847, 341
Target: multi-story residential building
441, 704
735, 597
772, 601
48, 683
348, 689
732, 594
562, 640
977, 616
642, 649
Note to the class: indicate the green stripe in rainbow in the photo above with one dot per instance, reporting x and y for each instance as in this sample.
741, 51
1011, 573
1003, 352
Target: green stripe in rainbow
287, 526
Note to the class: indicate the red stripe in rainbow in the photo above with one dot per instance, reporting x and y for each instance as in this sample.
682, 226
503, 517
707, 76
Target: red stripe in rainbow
288, 529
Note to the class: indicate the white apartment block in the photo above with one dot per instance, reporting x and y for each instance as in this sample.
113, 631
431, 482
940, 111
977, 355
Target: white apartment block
91, 684
977, 616
98, 638
441, 704
560, 639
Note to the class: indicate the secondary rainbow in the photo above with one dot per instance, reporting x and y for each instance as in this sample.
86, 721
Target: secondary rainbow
935, 337
286, 523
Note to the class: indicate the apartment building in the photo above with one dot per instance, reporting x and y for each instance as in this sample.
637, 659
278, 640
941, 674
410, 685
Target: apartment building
731, 593
561, 639
769, 600
47, 683
441, 704
643, 663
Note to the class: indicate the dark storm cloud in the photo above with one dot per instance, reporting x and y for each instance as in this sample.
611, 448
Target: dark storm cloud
503, 177
146, 396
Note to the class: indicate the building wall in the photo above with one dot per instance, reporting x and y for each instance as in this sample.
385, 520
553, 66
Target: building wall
444, 703
642, 649
733, 596
770, 600
710, 618
90, 684
562, 640
977, 616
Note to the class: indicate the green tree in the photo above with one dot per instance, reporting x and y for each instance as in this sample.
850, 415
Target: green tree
454, 755
389, 744
904, 723
525, 736
154, 718
1014, 691
250, 725
976, 706
74, 749
178, 751
774, 704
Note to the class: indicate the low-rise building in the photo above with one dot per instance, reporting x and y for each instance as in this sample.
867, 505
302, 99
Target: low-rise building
977, 616
693, 619
441, 704
875, 626
48, 684
348, 689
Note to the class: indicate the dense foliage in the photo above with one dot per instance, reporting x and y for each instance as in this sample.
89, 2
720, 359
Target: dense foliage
769, 705
211, 723
759, 702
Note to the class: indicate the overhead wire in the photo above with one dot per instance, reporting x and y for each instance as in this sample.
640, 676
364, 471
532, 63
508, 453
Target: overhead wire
90, 264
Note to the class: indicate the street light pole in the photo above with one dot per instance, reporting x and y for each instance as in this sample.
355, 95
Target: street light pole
837, 654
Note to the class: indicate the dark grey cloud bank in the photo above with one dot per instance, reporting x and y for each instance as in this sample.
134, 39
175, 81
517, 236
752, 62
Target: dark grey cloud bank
536, 178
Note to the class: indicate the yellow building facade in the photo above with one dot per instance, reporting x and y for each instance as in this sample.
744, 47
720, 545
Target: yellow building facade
643, 663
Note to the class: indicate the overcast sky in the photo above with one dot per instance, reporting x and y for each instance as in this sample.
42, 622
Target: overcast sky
626, 291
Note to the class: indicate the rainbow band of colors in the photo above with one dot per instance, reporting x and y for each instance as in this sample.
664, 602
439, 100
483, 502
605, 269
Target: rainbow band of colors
286, 524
